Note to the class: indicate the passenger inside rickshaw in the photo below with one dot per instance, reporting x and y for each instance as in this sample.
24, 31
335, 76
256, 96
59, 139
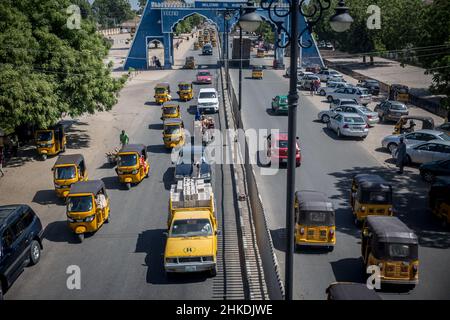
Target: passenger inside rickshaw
171, 130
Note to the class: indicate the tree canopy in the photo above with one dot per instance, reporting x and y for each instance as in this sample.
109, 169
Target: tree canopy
112, 12
48, 69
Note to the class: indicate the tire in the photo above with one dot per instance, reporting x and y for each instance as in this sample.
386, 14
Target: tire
427, 176
338, 133
80, 237
325, 118
128, 186
408, 160
108, 220
381, 119
1, 290
213, 272
43, 157
330, 248
391, 146
330, 99
35, 252
322, 92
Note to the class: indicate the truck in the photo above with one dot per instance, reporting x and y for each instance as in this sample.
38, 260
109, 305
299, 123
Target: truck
247, 46
191, 244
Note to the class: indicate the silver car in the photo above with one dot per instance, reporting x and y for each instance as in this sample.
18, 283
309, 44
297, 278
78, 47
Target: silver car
359, 94
391, 142
423, 152
331, 86
369, 116
348, 124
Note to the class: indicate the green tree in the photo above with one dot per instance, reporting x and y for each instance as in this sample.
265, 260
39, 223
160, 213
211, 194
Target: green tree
265, 30
112, 12
48, 69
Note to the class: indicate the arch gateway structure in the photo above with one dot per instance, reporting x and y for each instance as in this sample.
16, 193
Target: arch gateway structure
160, 18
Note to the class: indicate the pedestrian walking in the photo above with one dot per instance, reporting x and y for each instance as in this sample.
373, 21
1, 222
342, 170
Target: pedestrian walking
400, 154
311, 88
316, 85
1, 161
124, 139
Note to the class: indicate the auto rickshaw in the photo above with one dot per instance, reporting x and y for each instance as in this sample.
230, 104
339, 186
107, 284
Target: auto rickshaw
400, 127
370, 195
185, 91
189, 63
170, 110
173, 133
200, 42
68, 170
51, 141
350, 291
260, 53
257, 72
399, 92
162, 93
132, 164
314, 220
439, 199
196, 46
213, 42
88, 207
390, 245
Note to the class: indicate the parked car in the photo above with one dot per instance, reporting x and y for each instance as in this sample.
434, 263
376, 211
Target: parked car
445, 127
337, 79
369, 116
192, 162
332, 86
348, 124
361, 95
207, 50
204, 76
424, 152
306, 80
343, 102
208, 100
20, 242
372, 85
300, 72
430, 170
277, 149
391, 142
325, 75
391, 110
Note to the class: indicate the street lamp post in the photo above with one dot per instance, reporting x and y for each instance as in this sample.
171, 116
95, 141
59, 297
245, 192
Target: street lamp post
340, 22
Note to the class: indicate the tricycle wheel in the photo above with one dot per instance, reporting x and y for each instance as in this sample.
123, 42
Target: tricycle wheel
108, 220
80, 237
43, 157
128, 186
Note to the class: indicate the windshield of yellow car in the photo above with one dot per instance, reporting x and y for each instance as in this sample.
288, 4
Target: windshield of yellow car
191, 228
64, 173
127, 160
316, 218
172, 130
45, 136
79, 204
170, 110
376, 197
160, 90
185, 87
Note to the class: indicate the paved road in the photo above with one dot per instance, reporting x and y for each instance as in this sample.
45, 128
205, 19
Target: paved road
328, 165
124, 259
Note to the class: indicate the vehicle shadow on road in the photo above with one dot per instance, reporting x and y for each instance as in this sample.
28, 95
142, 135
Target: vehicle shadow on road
155, 126
25, 154
349, 270
192, 109
334, 136
152, 243
112, 183
168, 178
410, 198
158, 148
78, 138
47, 197
270, 112
152, 103
279, 239
58, 231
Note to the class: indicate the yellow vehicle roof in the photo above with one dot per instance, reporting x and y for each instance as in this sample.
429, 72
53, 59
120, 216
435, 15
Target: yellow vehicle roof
170, 105
199, 214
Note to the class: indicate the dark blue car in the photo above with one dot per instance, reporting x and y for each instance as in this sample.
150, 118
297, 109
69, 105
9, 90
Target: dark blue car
20, 242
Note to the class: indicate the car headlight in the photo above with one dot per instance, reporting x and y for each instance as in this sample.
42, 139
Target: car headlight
171, 260
208, 259
134, 172
90, 218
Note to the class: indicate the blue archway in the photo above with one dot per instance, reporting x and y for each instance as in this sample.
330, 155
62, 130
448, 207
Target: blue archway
159, 19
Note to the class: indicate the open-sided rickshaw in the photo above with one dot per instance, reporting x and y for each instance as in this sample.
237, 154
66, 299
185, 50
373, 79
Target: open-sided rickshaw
173, 133
185, 91
314, 220
162, 93
439, 198
68, 170
51, 141
132, 164
87, 207
370, 195
400, 127
257, 72
390, 245
260, 53
170, 110
399, 92
350, 291
189, 63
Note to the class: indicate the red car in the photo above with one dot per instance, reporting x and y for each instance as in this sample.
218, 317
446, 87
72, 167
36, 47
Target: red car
204, 76
277, 149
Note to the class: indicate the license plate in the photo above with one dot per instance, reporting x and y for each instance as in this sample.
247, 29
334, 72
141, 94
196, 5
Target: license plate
356, 128
283, 160
190, 268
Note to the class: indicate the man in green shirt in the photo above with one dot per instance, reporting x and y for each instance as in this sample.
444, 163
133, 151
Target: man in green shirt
124, 138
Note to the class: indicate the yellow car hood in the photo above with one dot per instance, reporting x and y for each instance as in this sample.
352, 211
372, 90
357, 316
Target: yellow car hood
188, 247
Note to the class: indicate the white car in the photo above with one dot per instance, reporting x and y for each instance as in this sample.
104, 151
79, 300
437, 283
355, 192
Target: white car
433, 150
369, 116
331, 87
325, 75
208, 100
361, 95
348, 124
391, 142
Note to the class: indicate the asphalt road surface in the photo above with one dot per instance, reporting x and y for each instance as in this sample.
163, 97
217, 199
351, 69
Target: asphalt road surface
124, 259
328, 165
